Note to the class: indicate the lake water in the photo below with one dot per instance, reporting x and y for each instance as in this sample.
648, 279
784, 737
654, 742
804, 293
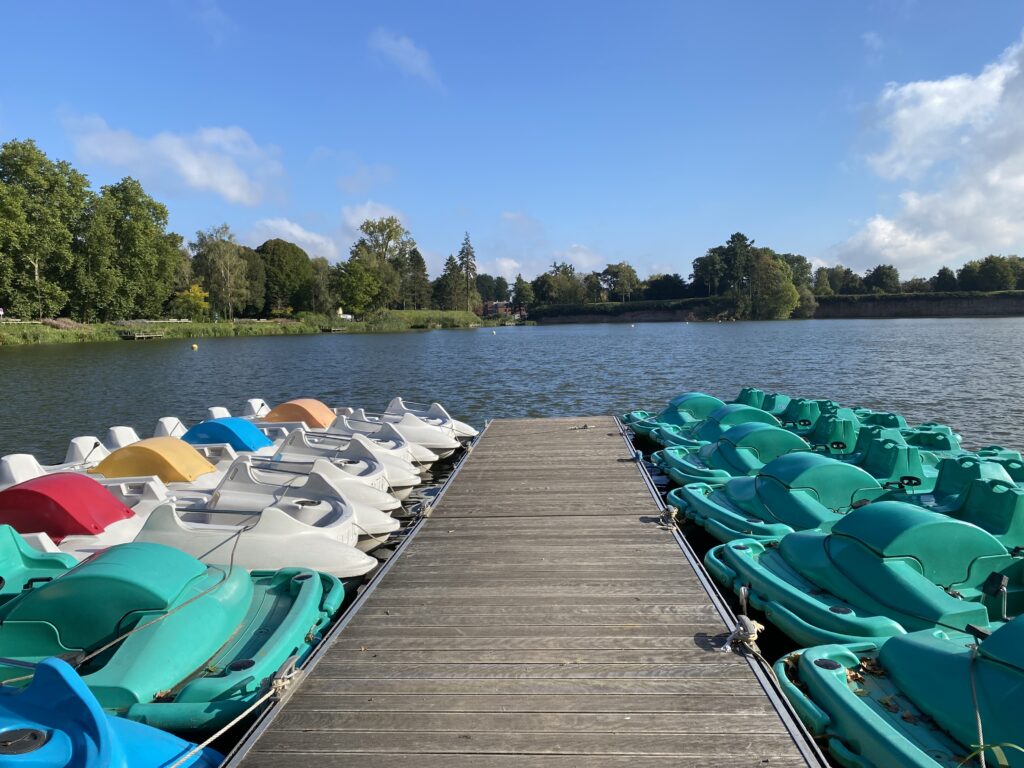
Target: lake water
964, 372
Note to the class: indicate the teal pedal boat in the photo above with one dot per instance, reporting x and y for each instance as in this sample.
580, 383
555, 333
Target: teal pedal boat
914, 700
696, 434
775, 403
795, 492
23, 566
884, 569
749, 396
802, 413
163, 639
743, 450
682, 410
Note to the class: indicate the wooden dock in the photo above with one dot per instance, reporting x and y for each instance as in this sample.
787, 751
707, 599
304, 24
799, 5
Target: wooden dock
544, 616
141, 335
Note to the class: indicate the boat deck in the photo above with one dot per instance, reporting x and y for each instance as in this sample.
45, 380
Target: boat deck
543, 615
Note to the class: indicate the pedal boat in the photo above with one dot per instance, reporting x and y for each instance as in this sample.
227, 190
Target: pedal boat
742, 450
163, 639
682, 411
56, 722
884, 569
795, 492
701, 433
914, 700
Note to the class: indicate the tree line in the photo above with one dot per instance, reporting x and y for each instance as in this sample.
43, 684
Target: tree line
107, 255
759, 283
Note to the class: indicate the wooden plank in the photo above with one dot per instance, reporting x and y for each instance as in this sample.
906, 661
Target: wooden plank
300, 758
615, 703
296, 719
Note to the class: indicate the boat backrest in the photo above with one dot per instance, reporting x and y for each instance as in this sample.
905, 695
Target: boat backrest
85, 448
1006, 644
841, 426
957, 473
130, 491
888, 460
119, 437
750, 396
884, 419
169, 426
775, 403
802, 412
217, 412
998, 507
256, 408
18, 467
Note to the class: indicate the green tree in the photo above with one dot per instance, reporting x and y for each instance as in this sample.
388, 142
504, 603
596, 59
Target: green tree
127, 263
321, 297
708, 270
884, 278
968, 277
255, 282
449, 288
944, 280
485, 287
418, 292
385, 247
355, 286
996, 273
559, 285
51, 198
228, 279
822, 283
807, 305
288, 274
593, 286
773, 295
800, 267
916, 285
467, 265
522, 293
621, 280
665, 287
501, 289
191, 303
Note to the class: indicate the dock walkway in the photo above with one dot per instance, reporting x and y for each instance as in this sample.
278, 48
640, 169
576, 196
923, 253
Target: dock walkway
542, 616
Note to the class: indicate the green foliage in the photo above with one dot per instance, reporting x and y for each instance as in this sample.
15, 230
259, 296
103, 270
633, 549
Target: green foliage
621, 280
663, 287
800, 267
417, 291
773, 295
807, 303
255, 282
822, 284
191, 304
469, 298
355, 286
559, 285
522, 293
916, 285
884, 278
288, 275
944, 280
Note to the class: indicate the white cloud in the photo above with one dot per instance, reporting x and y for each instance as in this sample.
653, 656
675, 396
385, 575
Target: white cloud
959, 144
404, 54
872, 41
365, 177
312, 243
225, 161
581, 257
214, 21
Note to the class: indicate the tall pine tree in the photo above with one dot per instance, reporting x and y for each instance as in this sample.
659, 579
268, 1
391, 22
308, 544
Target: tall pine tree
467, 264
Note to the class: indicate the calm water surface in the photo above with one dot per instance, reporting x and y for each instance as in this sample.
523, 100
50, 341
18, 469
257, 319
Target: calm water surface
964, 372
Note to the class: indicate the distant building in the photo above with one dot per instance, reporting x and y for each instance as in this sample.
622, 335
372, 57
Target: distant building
497, 309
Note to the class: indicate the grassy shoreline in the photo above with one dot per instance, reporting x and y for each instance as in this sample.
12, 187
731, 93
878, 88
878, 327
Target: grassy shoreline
387, 321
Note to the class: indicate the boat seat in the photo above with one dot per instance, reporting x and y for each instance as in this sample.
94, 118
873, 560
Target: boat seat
18, 467
217, 412
255, 408
169, 426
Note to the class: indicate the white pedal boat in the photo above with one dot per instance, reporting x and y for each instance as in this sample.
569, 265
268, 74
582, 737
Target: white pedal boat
77, 515
434, 413
358, 458
317, 418
237, 484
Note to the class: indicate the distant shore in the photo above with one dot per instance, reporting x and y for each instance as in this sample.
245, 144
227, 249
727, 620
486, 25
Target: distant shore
62, 331
876, 306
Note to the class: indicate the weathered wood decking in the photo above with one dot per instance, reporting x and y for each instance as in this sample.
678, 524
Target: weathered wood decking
542, 616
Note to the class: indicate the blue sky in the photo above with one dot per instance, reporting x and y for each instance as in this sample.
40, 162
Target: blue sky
583, 131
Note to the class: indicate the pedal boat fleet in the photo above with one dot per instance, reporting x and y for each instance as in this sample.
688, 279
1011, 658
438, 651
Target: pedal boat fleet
256, 528
891, 554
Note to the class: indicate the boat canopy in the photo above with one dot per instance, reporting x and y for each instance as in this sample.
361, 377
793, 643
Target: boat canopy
61, 504
170, 459
312, 412
240, 434
110, 590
